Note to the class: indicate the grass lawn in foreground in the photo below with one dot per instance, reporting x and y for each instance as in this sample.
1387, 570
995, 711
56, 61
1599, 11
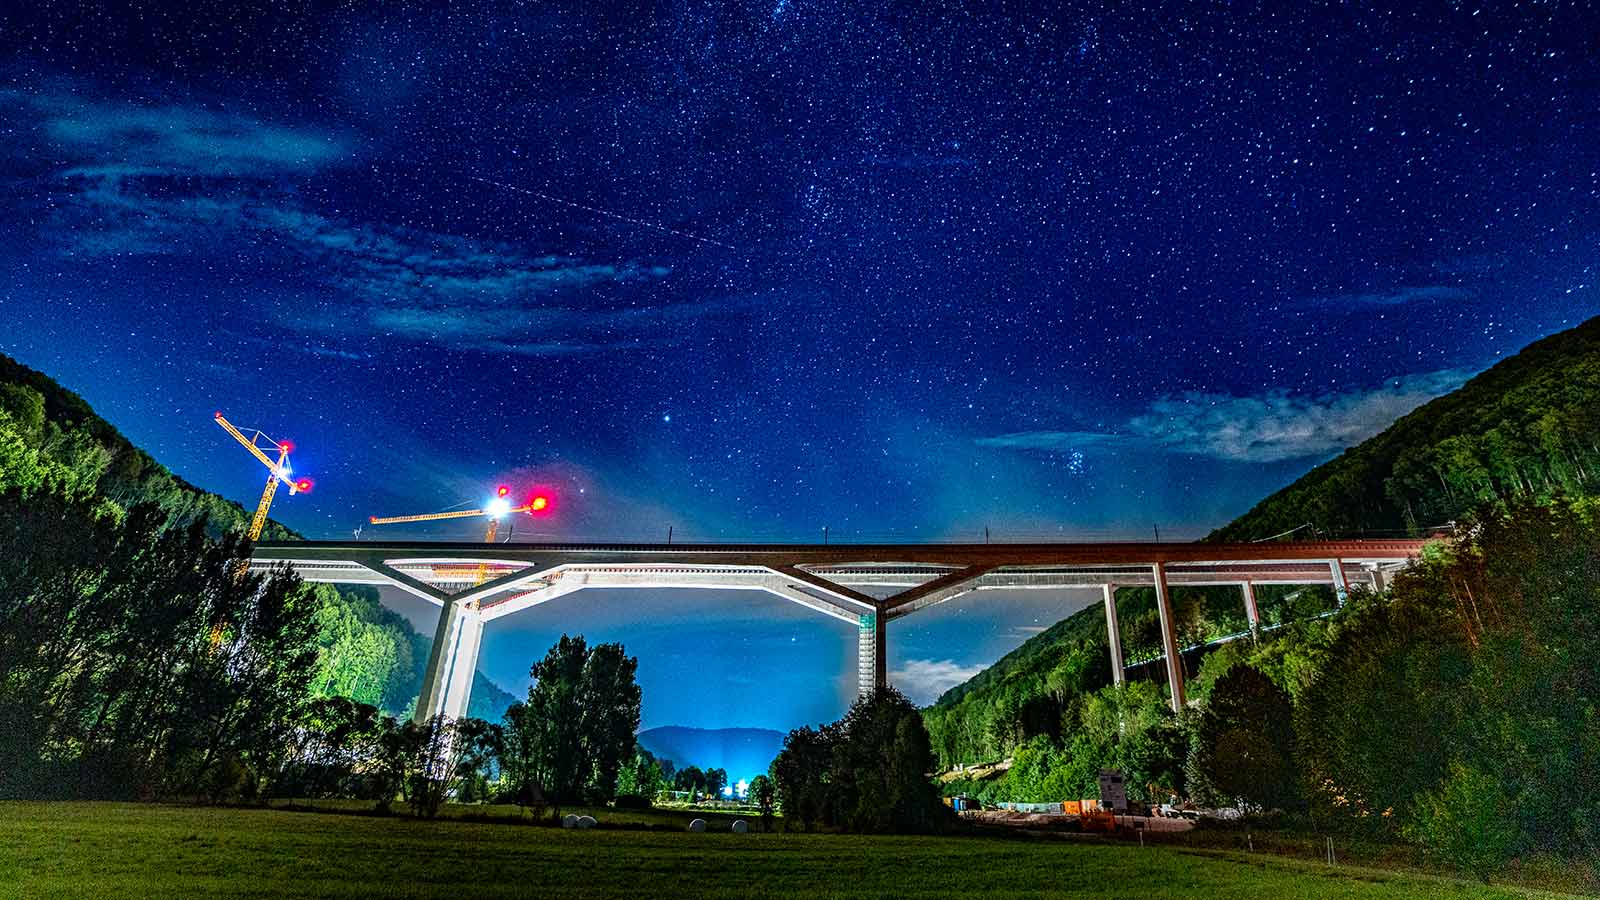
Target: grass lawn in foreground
107, 850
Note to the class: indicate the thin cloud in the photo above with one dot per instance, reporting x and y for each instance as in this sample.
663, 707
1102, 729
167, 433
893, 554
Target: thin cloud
1400, 296
1274, 427
125, 140
923, 680
170, 179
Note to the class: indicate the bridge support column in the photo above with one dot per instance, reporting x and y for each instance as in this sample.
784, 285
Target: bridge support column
1380, 582
1252, 613
447, 683
1341, 588
1169, 637
1113, 632
870, 662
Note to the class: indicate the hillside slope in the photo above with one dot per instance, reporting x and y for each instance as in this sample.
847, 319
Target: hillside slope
51, 436
1528, 427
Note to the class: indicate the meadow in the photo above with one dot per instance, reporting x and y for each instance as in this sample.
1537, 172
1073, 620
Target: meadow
114, 850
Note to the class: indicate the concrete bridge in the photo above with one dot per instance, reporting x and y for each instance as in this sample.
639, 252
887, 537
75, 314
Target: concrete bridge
868, 586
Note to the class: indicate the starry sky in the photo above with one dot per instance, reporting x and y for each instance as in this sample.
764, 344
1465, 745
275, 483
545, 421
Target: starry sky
749, 271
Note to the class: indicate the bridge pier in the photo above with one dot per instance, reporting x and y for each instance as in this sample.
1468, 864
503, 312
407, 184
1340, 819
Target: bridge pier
1341, 588
447, 682
1169, 637
871, 664
1113, 632
1252, 613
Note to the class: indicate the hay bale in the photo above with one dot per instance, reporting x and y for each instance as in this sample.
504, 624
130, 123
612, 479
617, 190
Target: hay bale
569, 821
697, 825
586, 822
740, 826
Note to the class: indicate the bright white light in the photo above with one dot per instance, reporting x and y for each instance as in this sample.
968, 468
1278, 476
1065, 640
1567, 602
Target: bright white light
727, 791
499, 506
742, 788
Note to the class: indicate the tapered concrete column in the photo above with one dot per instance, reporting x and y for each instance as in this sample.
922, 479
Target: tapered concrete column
447, 683
870, 663
1252, 613
1113, 632
1380, 581
1169, 637
1341, 589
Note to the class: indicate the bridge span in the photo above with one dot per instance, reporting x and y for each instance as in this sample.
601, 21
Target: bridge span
866, 585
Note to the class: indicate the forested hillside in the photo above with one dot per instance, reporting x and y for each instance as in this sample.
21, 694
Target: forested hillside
1027, 693
50, 439
1526, 429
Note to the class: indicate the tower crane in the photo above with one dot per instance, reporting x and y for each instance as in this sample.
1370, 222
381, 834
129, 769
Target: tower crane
277, 471
494, 510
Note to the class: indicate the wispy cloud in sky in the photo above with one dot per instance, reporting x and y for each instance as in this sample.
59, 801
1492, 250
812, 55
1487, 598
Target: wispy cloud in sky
923, 680
119, 139
1270, 428
175, 179
1400, 296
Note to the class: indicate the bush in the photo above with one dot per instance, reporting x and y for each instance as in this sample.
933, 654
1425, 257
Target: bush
1468, 822
631, 801
1243, 750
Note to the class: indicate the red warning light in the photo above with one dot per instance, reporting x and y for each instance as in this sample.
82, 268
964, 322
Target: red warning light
286, 446
303, 485
539, 503
501, 491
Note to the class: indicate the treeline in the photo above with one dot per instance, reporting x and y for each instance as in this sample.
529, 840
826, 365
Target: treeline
1526, 429
138, 659
1459, 710
867, 772
1034, 696
571, 741
52, 443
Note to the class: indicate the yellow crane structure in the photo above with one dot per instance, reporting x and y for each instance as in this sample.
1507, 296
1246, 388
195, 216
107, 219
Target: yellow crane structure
497, 509
278, 471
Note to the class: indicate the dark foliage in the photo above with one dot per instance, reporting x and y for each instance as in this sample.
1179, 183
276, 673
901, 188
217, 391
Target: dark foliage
869, 772
1242, 752
1527, 429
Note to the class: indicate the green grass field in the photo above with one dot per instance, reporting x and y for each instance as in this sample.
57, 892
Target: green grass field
104, 850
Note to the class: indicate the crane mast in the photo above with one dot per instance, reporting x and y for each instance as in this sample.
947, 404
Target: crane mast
277, 471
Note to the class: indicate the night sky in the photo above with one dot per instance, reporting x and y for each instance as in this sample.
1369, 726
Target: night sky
754, 270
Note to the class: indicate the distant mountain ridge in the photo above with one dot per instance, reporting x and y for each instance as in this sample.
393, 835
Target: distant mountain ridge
370, 653
743, 752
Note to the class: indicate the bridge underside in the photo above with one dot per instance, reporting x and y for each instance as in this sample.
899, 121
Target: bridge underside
865, 586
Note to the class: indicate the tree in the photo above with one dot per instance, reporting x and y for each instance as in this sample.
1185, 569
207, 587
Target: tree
554, 705
765, 795
477, 744
801, 773
868, 772
1468, 822
518, 755
1243, 748
583, 710
716, 780
426, 749
610, 701
689, 778
642, 777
